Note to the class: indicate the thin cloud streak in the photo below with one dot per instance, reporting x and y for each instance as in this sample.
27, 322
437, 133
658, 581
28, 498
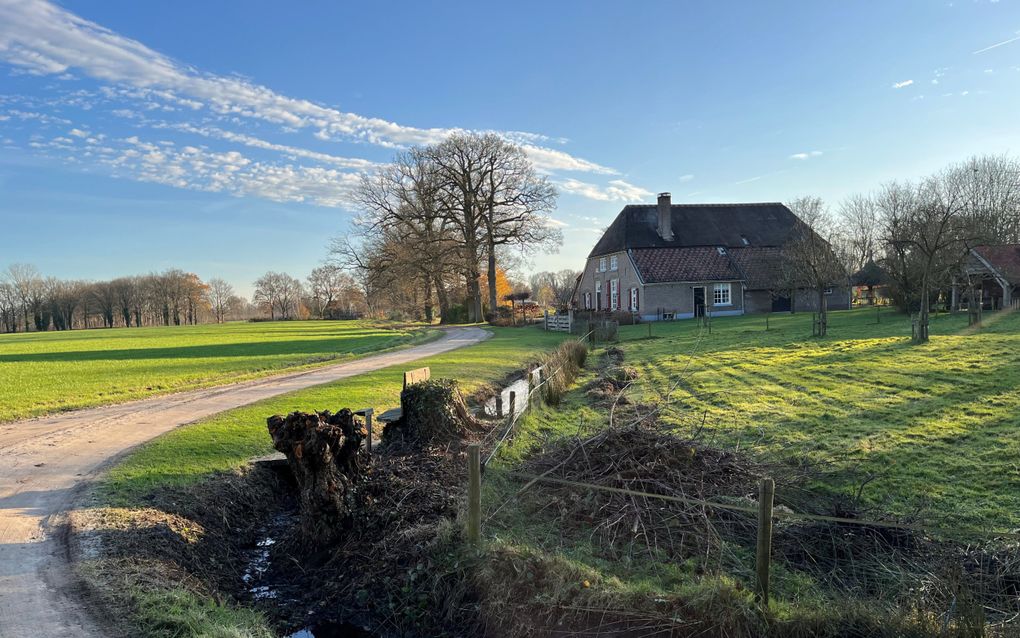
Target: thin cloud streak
997, 45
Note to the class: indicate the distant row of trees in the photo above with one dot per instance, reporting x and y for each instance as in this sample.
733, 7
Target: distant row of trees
328, 293
30, 301
919, 233
441, 220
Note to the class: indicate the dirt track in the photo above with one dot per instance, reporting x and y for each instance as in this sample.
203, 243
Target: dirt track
45, 462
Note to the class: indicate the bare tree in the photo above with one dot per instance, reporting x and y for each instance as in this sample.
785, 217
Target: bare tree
931, 234
857, 232
219, 295
279, 293
810, 254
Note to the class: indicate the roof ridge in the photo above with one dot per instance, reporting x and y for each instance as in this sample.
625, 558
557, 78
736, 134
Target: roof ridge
715, 205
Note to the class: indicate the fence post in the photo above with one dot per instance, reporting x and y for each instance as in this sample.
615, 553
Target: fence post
368, 426
499, 404
763, 556
513, 404
474, 520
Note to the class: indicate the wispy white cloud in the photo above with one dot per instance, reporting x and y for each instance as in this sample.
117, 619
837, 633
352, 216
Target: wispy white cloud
685, 178
903, 84
806, 155
42, 38
616, 190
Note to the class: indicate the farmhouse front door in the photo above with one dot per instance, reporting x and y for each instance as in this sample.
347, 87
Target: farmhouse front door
699, 301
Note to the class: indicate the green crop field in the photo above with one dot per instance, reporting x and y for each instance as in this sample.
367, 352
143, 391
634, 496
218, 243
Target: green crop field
49, 372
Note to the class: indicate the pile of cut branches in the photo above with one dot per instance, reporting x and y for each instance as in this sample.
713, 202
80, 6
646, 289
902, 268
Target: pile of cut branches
650, 461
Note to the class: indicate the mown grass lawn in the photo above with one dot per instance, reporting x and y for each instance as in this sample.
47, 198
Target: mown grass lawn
49, 372
228, 440
934, 425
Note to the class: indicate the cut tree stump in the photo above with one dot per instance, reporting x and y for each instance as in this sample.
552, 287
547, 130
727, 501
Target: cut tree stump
324, 452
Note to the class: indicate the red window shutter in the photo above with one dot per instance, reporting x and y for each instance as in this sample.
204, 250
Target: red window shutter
637, 299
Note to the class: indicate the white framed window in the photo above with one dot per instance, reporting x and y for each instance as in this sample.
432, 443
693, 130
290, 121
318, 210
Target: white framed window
587, 301
614, 263
614, 294
667, 316
633, 300
602, 264
721, 295
598, 295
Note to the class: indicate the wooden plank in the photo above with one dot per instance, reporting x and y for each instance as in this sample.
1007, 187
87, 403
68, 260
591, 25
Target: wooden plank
416, 376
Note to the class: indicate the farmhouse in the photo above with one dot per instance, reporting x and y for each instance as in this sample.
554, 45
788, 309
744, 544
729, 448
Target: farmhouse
995, 274
665, 261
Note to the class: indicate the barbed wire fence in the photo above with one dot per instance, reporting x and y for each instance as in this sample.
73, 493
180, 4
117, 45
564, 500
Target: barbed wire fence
757, 524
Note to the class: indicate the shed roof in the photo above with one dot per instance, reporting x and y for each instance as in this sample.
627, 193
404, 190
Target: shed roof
1004, 258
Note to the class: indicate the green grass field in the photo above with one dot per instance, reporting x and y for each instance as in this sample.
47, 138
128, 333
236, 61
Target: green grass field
228, 440
49, 372
934, 425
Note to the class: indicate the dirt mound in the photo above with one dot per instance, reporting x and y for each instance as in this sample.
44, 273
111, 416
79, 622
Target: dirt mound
646, 460
324, 453
434, 413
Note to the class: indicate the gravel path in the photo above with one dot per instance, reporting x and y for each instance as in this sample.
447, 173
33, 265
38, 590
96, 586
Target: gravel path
45, 462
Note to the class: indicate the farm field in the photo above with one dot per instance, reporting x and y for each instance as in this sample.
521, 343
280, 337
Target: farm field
50, 372
931, 426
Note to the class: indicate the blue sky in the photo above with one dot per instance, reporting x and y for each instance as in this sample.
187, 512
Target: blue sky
223, 138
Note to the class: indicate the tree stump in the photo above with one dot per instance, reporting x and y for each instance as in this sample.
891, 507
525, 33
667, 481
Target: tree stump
433, 412
324, 452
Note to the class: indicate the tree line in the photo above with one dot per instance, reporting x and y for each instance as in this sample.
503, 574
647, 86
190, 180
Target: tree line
913, 236
441, 220
30, 301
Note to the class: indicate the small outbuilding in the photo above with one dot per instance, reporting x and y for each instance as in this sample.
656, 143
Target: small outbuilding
994, 273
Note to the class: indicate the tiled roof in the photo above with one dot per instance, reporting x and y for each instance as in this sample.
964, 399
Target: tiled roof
762, 268
1004, 258
694, 225
661, 265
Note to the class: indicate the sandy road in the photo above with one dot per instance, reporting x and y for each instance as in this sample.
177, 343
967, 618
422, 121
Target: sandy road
45, 462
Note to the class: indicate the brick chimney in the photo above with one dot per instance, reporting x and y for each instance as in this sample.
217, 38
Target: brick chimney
665, 216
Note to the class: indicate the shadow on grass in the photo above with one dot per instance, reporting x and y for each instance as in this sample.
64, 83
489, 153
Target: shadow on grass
326, 348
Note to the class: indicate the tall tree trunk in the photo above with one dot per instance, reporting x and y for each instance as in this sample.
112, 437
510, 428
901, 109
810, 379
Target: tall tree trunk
429, 315
492, 276
444, 300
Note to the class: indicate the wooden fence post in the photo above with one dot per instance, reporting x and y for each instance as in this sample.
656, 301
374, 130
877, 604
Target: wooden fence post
499, 404
474, 520
763, 556
368, 426
513, 404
